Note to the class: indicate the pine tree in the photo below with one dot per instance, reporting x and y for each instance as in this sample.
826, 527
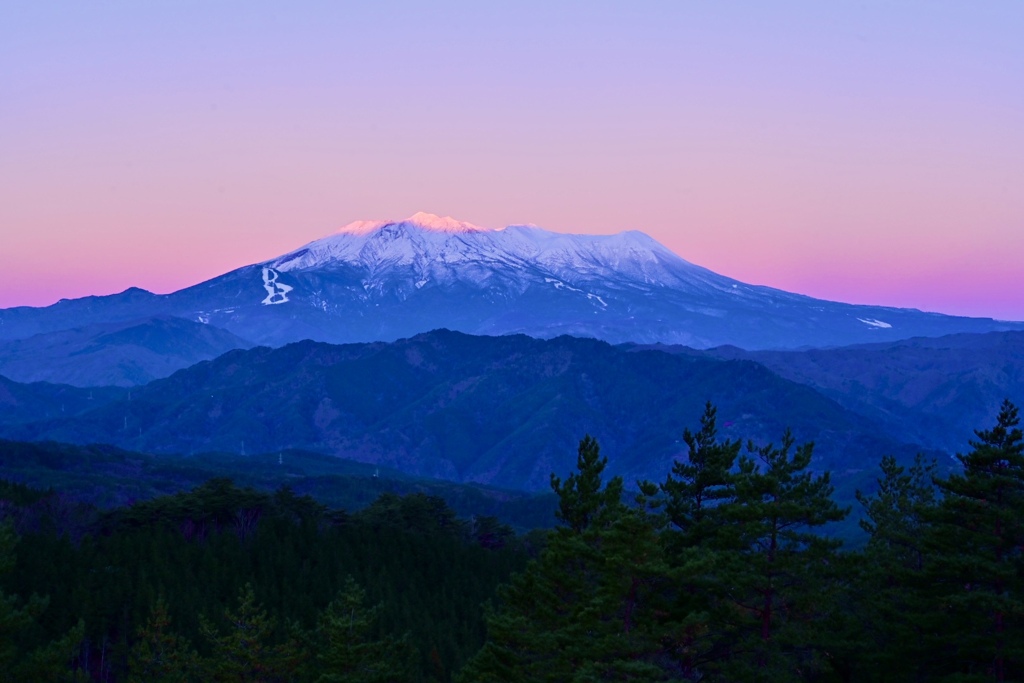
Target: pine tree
19, 661
584, 610
896, 512
697, 486
345, 650
778, 568
246, 652
978, 574
888, 611
696, 495
159, 655
583, 505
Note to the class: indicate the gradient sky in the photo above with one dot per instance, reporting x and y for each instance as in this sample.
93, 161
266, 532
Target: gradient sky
870, 152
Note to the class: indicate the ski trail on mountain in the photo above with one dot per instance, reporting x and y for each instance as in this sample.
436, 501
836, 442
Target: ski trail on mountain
277, 292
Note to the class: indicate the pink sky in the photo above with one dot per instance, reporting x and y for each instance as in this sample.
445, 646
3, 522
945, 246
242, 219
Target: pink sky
870, 154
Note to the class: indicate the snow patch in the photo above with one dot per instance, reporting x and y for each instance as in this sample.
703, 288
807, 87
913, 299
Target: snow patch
438, 246
277, 292
875, 323
561, 285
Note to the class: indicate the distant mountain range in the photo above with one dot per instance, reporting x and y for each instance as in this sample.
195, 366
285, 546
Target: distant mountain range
117, 354
21, 403
932, 391
179, 373
509, 410
381, 281
506, 411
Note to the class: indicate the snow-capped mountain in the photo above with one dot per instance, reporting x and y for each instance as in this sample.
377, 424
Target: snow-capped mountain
442, 250
389, 279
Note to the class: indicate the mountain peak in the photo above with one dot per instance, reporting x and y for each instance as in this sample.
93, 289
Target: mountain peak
361, 227
420, 219
429, 221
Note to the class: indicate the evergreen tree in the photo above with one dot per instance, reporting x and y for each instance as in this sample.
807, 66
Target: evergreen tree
778, 569
431, 578
346, 651
586, 609
159, 655
696, 495
247, 653
888, 610
977, 577
417, 513
697, 486
583, 505
490, 532
896, 512
20, 658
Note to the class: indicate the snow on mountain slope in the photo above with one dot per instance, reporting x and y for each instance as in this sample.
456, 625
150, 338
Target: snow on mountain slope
382, 280
442, 251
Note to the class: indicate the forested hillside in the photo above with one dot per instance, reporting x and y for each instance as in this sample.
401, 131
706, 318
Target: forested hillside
718, 571
933, 391
110, 477
184, 585
505, 411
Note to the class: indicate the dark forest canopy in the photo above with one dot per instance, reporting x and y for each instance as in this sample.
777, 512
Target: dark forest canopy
718, 572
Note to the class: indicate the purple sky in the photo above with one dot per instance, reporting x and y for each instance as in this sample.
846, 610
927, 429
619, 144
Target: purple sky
870, 152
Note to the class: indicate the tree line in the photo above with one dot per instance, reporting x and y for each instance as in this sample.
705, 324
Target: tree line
223, 583
723, 571
717, 574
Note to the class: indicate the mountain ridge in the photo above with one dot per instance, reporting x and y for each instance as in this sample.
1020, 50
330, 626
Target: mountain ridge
123, 353
386, 280
946, 386
503, 410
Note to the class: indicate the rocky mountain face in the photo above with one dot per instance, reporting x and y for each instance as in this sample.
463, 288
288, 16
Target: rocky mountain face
381, 281
504, 410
